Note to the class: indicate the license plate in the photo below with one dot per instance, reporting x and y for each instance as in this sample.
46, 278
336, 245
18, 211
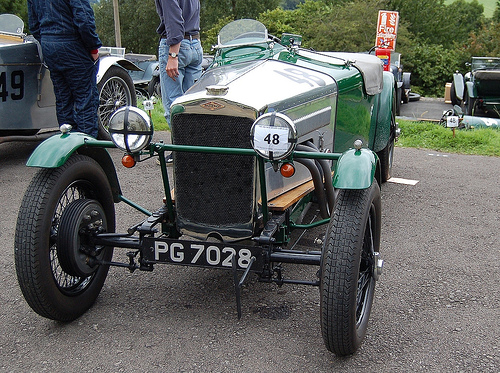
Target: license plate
204, 254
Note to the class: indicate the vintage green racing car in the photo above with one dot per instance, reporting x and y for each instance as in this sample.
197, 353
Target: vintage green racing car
269, 132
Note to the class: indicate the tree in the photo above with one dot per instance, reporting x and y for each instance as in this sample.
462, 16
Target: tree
463, 18
434, 39
17, 7
433, 22
290, 4
213, 10
12, 6
431, 66
485, 41
139, 21
496, 13
345, 26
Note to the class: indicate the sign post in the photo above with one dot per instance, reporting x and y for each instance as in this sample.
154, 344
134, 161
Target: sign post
387, 29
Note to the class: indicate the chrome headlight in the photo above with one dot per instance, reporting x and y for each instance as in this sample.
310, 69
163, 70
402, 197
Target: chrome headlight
130, 129
273, 136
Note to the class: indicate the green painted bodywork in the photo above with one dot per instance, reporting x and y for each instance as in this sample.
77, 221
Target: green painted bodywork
56, 150
354, 107
355, 169
381, 133
356, 115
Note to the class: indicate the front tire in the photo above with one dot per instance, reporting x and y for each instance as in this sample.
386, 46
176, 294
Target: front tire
49, 290
349, 269
116, 89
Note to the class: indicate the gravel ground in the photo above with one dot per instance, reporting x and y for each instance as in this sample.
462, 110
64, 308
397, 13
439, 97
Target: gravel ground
436, 305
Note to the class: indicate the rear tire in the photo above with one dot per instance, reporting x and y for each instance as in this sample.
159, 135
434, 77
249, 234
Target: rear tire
154, 87
399, 98
453, 95
406, 87
347, 281
386, 155
49, 290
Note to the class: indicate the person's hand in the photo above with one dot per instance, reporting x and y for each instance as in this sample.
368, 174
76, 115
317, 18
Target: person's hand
94, 54
172, 68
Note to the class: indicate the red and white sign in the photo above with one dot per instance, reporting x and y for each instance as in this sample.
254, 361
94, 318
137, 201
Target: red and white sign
387, 29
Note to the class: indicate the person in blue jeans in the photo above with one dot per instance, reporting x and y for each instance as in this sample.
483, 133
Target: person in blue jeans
180, 53
67, 34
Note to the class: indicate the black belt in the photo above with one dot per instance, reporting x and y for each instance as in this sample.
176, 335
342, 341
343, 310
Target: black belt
186, 36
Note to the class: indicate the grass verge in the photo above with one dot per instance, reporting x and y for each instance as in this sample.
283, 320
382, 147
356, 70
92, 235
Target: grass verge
157, 115
430, 135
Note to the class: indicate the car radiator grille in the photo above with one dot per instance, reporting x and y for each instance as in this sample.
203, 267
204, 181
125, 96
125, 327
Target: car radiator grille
213, 192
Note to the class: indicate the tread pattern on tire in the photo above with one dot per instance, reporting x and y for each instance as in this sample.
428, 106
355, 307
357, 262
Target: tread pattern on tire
30, 264
339, 281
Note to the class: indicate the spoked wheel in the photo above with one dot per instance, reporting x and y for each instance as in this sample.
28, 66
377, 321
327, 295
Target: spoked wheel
116, 89
51, 283
350, 266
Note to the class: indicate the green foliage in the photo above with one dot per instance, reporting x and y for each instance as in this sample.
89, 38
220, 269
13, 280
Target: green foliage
432, 66
485, 41
435, 37
17, 7
213, 10
429, 135
139, 21
489, 6
463, 18
496, 13
210, 36
12, 6
328, 26
290, 4
433, 22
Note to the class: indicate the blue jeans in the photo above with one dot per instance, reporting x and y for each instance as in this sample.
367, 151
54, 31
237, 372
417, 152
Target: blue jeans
190, 59
73, 74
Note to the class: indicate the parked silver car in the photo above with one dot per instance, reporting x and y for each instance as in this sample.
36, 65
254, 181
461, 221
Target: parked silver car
27, 100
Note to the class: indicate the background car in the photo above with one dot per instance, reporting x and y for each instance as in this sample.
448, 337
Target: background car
478, 92
26, 91
146, 80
